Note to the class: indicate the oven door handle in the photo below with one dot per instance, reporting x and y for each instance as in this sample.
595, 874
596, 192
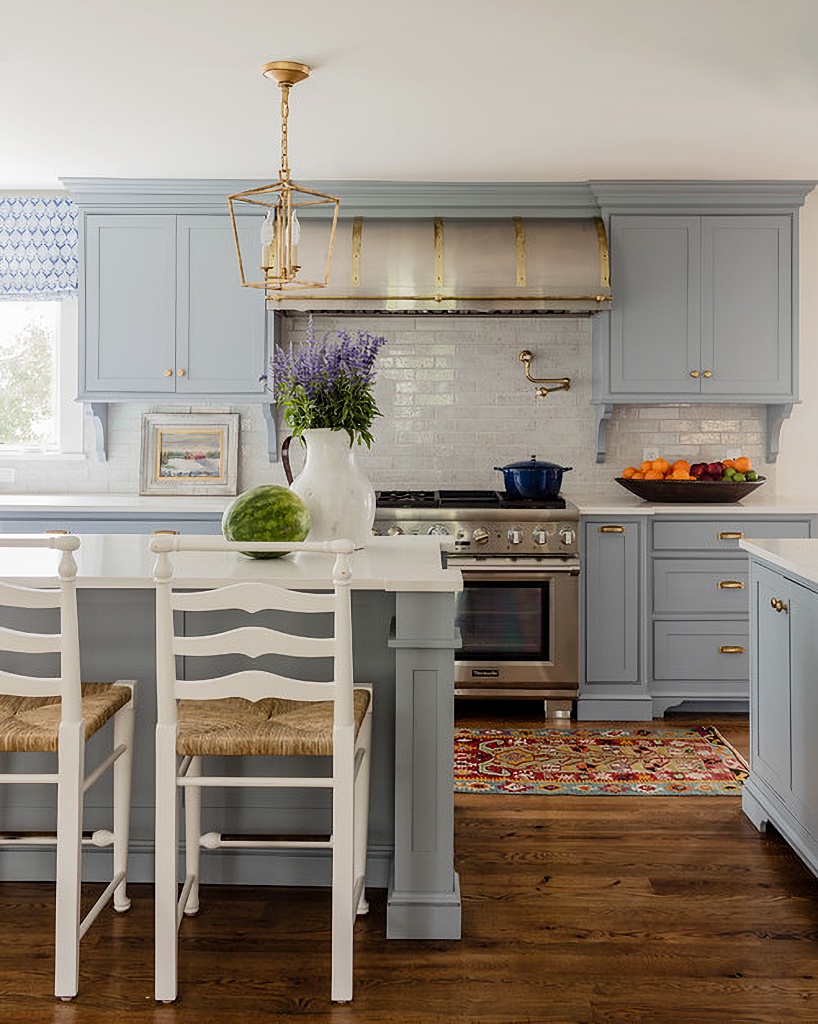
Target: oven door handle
504, 573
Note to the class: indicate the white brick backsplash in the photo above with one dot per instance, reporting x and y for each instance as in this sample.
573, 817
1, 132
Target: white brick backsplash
455, 403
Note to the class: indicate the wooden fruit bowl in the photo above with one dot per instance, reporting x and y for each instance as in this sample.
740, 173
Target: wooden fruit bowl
690, 492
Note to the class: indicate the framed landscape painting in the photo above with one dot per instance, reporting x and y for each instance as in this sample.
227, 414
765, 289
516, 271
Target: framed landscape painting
189, 453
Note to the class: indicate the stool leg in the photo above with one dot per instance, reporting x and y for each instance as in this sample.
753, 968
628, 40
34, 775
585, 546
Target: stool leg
123, 736
69, 850
362, 810
193, 828
166, 844
343, 881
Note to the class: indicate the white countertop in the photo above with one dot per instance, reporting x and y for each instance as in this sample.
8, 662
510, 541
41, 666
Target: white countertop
110, 503
798, 558
608, 500
613, 501
124, 561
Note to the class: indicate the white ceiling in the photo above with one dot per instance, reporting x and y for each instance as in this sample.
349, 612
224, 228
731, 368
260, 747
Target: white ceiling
436, 90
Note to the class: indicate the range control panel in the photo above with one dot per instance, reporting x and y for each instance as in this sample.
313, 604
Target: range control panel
492, 538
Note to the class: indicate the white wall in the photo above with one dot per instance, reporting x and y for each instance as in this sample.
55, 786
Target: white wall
797, 466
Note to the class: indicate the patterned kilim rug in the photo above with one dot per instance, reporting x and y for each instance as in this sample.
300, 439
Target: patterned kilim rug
597, 762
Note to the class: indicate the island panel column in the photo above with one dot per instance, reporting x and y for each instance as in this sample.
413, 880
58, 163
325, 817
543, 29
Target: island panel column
424, 890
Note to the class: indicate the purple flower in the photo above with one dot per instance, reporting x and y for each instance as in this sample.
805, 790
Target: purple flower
327, 383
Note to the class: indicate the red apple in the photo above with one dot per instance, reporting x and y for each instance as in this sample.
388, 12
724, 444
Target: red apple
698, 469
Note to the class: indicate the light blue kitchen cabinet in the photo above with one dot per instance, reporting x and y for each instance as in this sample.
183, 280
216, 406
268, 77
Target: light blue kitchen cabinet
703, 309
162, 310
782, 787
128, 306
612, 595
699, 633
655, 338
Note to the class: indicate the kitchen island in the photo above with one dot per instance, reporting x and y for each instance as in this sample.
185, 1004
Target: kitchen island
782, 789
404, 639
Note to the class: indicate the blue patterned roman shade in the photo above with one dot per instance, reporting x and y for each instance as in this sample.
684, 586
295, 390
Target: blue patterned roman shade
38, 248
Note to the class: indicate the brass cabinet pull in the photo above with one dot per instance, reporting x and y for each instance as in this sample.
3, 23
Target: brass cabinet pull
778, 604
731, 535
181, 373
694, 373
707, 373
612, 529
168, 373
730, 584
730, 649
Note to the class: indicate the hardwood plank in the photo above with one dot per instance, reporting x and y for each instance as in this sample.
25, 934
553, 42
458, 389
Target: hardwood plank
602, 910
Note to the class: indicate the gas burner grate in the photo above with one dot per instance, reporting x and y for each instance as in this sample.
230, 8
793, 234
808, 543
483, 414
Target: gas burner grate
407, 499
462, 499
469, 499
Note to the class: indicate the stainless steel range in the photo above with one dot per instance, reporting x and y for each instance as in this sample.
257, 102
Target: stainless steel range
518, 613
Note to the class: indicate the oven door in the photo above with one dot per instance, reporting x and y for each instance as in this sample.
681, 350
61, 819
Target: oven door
519, 628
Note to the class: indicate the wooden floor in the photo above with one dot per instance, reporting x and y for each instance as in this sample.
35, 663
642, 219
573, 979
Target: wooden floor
575, 909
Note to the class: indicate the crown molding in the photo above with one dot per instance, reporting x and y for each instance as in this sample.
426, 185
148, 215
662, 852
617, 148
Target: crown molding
483, 199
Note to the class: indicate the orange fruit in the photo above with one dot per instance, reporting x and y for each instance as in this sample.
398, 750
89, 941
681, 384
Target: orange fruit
646, 467
654, 474
742, 464
681, 464
628, 472
638, 475
660, 465
729, 462
680, 474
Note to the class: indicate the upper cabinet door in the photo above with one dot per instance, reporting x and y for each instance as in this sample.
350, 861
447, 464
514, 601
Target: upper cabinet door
220, 326
655, 320
129, 304
747, 306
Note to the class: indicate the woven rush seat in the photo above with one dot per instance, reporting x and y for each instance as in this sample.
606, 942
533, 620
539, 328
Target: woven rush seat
32, 724
271, 726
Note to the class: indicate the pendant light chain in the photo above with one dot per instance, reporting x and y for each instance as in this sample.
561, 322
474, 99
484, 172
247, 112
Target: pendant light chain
285, 113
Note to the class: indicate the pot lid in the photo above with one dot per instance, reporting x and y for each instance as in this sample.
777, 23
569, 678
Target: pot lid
533, 463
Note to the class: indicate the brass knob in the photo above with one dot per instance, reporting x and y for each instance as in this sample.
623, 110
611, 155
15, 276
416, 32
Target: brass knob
779, 605
694, 373
181, 373
730, 584
612, 529
168, 373
731, 649
707, 373
731, 535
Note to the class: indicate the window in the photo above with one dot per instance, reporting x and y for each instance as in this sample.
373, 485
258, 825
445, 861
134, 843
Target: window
38, 326
38, 346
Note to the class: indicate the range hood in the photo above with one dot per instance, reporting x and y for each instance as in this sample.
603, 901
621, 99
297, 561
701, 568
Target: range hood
532, 265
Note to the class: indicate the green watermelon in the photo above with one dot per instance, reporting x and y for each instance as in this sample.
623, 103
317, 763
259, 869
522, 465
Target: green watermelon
268, 512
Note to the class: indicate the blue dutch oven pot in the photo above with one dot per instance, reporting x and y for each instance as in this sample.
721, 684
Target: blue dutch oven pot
533, 479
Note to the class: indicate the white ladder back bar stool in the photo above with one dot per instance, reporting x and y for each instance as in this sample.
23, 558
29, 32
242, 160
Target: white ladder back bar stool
258, 711
56, 715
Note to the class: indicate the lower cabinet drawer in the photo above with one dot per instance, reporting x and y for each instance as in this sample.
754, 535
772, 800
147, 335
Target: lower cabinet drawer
695, 649
701, 585
721, 534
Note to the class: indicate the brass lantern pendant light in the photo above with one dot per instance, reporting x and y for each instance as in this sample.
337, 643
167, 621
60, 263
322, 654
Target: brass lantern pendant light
280, 231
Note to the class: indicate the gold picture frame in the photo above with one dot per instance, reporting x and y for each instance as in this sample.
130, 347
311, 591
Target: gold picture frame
189, 453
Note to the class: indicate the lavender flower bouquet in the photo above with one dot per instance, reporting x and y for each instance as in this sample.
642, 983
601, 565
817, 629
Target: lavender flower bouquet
328, 383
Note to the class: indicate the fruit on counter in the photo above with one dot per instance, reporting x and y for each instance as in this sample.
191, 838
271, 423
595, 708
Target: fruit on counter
266, 513
724, 470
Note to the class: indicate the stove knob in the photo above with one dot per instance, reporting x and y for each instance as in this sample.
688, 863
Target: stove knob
437, 529
394, 531
540, 536
568, 536
480, 536
515, 536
